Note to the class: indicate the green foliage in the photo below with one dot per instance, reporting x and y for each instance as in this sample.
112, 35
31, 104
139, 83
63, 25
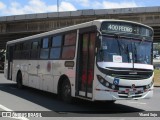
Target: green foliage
156, 47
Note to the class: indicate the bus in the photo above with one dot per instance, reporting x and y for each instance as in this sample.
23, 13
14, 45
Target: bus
100, 60
2, 59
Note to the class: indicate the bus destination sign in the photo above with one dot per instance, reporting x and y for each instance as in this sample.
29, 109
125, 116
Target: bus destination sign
120, 28
128, 28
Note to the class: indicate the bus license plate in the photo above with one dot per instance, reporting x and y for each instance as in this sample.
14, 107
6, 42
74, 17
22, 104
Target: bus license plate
131, 93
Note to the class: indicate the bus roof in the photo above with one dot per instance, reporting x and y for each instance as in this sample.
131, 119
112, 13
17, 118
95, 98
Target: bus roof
73, 27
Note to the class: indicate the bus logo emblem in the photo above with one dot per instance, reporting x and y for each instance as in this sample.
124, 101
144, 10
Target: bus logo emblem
133, 86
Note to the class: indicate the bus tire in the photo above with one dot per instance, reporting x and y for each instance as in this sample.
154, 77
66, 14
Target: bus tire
19, 81
66, 91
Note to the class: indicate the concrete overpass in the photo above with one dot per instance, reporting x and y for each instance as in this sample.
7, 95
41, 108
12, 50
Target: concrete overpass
14, 27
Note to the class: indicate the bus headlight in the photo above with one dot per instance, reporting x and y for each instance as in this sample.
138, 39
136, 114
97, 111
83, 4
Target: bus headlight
113, 86
101, 80
107, 84
147, 86
150, 85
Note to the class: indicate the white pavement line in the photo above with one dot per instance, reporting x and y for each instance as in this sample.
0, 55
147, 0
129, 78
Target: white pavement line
9, 110
5, 108
138, 103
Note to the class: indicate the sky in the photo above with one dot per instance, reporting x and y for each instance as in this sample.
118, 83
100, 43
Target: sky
18, 7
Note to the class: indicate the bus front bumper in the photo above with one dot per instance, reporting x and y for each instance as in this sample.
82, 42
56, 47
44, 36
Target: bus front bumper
104, 95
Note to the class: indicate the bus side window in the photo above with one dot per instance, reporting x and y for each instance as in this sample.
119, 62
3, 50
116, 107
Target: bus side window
26, 49
68, 50
55, 52
34, 50
17, 51
44, 48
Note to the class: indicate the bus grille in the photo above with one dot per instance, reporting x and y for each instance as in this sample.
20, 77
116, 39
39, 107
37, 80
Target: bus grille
130, 97
130, 74
125, 95
126, 73
131, 77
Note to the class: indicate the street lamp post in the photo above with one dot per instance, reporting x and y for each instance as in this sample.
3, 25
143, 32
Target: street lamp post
57, 5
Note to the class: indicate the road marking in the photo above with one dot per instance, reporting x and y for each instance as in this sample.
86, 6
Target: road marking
138, 103
5, 108
9, 110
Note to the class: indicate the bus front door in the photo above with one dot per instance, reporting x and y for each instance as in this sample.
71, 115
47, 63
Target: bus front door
85, 64
10, 62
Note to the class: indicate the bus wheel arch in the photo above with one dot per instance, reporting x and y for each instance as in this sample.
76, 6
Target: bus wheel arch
64, 89
19, 79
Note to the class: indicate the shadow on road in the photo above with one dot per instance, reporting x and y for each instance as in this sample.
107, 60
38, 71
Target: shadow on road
51, 102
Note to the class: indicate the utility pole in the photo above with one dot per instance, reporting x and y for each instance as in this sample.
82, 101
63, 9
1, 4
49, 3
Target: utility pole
57, 5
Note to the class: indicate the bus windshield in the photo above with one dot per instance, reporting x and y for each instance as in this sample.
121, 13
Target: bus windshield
123, 50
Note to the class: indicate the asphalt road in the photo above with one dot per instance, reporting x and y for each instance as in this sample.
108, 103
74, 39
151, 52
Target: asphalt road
28, 99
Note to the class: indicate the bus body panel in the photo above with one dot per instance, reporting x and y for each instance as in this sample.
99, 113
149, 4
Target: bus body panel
41, 78
6, 68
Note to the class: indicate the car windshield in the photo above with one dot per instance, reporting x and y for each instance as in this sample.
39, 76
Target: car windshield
124, 50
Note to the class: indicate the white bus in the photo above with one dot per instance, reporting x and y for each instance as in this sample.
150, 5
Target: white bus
101, 60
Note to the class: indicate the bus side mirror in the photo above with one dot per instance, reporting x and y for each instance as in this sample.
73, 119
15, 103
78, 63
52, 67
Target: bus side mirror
98, 43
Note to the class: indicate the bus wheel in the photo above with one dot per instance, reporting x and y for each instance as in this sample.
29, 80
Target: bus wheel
19, 80
66, 91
